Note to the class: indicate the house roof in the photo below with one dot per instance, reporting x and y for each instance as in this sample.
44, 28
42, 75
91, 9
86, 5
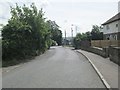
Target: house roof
113, 19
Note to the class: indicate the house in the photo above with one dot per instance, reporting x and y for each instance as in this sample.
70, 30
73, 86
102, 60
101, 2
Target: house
111, 28
67, 40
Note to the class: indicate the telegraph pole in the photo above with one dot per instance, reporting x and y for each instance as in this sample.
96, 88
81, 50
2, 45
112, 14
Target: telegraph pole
72, 35
76, 29
65, 33
71, 32
65, 38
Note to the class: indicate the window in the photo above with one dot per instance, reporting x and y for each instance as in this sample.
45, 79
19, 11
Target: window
107, 27
116, 25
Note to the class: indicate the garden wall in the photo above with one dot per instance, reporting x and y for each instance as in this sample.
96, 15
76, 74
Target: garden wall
114, 54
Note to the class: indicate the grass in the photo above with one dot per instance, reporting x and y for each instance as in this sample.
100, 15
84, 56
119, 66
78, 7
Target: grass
15, 62
12, 62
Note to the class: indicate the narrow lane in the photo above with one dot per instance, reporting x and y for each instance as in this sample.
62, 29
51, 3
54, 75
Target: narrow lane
58, 68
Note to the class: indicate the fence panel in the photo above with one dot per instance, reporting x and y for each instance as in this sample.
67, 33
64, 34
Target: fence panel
105, 43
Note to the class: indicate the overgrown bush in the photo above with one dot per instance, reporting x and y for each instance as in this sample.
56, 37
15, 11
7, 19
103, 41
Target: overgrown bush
26, 34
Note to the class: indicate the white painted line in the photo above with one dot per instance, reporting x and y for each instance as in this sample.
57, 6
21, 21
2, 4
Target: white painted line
98, 72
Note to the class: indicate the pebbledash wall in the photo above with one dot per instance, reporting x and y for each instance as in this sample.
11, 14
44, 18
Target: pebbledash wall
119, 21
111, 30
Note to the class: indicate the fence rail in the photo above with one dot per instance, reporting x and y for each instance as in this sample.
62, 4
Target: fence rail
105, 43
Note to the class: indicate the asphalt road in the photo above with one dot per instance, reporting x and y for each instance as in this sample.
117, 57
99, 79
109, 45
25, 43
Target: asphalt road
59, 67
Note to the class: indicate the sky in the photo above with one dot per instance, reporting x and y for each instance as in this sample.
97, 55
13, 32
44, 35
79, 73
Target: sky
78, 15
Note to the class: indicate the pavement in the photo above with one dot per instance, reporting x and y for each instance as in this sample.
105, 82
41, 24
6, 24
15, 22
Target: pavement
59, 67
107, 69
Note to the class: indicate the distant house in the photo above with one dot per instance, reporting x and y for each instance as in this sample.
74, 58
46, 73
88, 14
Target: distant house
111, 28
67, 41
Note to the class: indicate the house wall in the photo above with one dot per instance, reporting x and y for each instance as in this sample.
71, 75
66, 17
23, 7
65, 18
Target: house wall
111, 36
118, 37
119, 30
111, 31
112, 28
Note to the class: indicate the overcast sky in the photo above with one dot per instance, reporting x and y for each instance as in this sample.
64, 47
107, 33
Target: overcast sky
80, 13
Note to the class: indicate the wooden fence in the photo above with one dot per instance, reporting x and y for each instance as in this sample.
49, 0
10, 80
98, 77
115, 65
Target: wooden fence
105, 43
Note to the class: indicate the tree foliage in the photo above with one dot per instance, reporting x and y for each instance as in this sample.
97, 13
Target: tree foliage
56, 34
26, 34
95, 34
77, 40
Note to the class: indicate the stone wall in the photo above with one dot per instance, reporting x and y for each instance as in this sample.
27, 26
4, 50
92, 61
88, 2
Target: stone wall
101, 52
114, 54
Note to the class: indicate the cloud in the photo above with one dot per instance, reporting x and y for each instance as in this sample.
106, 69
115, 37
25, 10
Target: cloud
39, 3
84, 0
84, 13
4, 12
5, 7
119, 6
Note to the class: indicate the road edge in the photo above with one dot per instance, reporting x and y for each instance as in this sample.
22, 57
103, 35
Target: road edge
97, 71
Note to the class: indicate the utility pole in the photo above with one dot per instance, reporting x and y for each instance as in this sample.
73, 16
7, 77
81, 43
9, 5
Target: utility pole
72, 34
65, 33
76, 28
65, 38
72, 30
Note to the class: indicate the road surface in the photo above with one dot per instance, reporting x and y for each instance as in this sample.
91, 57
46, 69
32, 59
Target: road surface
59, 67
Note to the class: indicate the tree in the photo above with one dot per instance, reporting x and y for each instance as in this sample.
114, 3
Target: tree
56, 34
77, 40
96, 33
26, 34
